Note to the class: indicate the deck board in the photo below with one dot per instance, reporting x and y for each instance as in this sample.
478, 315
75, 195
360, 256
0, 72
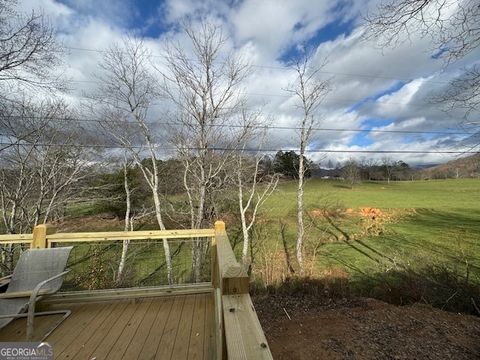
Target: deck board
129, 331
111, 335
62, 337
182, 340
139, 339
167, 342
209, 329
92, 343
169, 327
197, 334
156, 331
76, 346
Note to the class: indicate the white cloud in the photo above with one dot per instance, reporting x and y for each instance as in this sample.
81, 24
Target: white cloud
260, 31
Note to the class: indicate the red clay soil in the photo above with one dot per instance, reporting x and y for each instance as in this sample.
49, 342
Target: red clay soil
364, 329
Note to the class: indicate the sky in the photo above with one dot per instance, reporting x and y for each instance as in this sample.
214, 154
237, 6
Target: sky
372, 88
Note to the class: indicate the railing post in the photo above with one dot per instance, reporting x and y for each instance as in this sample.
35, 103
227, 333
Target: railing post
40, 233
220, 340
219, 229
232, 277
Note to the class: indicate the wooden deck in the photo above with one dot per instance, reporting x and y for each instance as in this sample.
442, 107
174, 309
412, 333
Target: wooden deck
214, 320
169, 327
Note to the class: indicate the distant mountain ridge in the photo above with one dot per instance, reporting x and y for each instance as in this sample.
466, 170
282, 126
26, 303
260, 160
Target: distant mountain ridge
468, 166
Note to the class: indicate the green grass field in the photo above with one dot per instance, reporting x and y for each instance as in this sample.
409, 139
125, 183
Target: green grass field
425, 227
433, 194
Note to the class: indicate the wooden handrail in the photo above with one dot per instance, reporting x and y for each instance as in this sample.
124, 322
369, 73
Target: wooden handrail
16, 238
241, 334
244, 335
232, 277
130, 235
45, 235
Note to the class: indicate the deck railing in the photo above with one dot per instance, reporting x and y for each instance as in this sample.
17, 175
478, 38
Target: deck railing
96, 256
238, 333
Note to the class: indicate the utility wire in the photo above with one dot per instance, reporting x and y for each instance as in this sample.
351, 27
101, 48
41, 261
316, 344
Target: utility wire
329, 100
266, 127
247, 149
280, 67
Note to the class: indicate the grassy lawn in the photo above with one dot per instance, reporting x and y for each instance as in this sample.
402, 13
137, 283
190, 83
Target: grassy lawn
428, 223
433, 194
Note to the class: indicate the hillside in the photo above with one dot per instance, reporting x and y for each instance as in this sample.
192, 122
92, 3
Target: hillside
464, 167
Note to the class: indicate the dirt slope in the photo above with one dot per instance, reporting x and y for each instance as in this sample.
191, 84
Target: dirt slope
365, 329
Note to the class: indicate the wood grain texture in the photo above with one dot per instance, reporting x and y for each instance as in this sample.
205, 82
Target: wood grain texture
243, 333
173, 327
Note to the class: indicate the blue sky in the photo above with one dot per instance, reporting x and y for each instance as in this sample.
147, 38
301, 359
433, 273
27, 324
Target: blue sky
372, 88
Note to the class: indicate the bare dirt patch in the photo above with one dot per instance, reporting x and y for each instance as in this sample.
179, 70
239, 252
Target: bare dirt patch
371, 212
364, 329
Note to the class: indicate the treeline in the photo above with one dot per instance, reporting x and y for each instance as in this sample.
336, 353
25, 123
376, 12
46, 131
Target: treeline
385, 169
388, 170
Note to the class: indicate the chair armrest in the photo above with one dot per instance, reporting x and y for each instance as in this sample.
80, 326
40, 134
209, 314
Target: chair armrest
21, 294
4, 282
39, 286
37, 291
5, 278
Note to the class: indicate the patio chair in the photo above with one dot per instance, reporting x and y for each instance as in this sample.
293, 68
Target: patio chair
38, 273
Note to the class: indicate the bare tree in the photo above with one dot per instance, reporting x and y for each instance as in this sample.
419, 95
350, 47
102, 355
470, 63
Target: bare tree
38, 172
203, 86
463, 94
452, 25
128, 223
29, 52
254, 186
14, 131
388, 167
369, 165
309, 91
41, 173
127, 90
350, 172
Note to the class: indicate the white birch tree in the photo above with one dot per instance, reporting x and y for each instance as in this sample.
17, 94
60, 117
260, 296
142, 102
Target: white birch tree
127, 90
204, 86
254, 185
254, 188
309, 91
128, 224
43, 169
39, 172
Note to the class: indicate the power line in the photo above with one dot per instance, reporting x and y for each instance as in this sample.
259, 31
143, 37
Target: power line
282, 68
327, 100
266, 127
247, 149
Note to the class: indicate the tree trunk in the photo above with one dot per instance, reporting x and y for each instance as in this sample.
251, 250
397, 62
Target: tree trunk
283, 227
166, 247
300, 225
123, 258
198, 243
246, 238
